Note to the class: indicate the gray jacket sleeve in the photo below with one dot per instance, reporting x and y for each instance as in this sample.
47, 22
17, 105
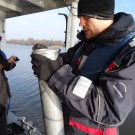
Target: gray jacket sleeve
108, 103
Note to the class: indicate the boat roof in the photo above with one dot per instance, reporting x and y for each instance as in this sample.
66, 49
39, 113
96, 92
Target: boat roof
13, 8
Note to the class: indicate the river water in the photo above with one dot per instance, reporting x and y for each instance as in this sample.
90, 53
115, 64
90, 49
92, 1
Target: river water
24, 87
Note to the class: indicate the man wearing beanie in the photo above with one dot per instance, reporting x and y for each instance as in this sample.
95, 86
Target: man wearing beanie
95, 79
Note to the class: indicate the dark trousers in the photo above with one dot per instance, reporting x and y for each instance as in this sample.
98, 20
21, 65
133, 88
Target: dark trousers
3, 121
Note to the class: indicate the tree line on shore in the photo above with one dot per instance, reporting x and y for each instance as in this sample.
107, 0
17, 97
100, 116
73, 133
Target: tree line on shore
31, 41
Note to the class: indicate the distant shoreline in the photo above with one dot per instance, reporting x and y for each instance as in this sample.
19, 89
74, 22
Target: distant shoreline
31, 42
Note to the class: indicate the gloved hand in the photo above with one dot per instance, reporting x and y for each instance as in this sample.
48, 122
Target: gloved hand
10, 63
39, 46
44, 67
7, 66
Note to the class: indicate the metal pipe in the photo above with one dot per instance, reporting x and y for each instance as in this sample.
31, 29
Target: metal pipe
51, 104
71, 27
2, 34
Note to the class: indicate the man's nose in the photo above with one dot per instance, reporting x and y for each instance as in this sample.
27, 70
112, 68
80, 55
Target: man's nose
82, 22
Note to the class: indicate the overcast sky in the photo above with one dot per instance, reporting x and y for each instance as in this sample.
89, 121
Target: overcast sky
49, 25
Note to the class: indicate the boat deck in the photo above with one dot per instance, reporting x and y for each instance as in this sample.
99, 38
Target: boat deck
20, 126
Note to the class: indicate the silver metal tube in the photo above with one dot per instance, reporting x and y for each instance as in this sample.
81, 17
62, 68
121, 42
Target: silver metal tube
71, 26
51, 104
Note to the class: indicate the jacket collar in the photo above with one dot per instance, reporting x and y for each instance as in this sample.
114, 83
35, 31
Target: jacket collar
123, 25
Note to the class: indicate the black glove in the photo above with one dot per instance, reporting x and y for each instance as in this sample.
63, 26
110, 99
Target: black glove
44, 67
7, 66
39, 46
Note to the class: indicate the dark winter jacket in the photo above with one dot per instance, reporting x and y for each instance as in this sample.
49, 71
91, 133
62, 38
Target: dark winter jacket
103, 96
4, 87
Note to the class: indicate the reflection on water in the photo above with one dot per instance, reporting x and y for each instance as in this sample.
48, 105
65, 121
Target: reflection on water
25, 99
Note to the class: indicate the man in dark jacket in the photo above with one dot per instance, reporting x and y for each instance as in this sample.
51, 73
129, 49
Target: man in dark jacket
95, 79
5, 65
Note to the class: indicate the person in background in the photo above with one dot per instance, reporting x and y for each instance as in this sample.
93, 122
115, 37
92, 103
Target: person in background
95, 79
5, 65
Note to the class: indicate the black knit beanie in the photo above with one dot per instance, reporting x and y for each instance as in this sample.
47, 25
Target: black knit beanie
100, 9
